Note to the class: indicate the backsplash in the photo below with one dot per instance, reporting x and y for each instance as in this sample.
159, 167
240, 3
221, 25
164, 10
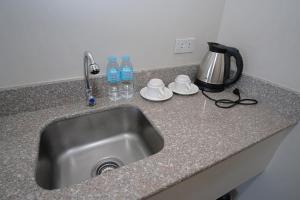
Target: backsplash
36, 97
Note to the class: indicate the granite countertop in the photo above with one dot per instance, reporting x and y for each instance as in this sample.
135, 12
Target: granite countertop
196, 133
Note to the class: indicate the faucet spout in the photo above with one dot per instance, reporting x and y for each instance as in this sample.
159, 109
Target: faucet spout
89, 67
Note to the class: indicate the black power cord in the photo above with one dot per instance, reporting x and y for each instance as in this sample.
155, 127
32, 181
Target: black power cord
227, 103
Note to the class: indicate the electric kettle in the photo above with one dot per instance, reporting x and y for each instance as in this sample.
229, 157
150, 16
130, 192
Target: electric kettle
214, 73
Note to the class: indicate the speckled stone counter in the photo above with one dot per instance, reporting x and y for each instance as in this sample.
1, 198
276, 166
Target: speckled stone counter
196, 133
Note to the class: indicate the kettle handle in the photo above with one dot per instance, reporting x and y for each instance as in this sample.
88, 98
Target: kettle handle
239, 64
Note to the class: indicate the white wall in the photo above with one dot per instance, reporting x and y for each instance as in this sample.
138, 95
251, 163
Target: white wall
42, 40
267, 32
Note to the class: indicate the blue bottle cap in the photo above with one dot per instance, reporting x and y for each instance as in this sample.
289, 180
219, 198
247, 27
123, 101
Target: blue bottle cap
125, 58
112, 58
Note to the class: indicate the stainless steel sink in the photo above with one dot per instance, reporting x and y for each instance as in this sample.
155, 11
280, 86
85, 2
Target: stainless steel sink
78, 148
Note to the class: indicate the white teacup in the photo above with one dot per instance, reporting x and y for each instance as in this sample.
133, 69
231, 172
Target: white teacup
183, 83
156, 88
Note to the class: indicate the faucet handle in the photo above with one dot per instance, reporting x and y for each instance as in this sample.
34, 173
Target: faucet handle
91, 100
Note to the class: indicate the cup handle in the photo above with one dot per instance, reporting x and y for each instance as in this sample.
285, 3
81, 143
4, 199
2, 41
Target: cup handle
162, 92
188, 85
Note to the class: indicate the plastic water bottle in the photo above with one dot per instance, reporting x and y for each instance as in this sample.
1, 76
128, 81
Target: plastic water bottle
127, 89
113, 78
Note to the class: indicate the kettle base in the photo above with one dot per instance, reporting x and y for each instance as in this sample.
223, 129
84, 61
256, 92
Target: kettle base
209, 87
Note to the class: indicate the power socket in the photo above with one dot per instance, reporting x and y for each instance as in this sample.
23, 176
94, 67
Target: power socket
184, 45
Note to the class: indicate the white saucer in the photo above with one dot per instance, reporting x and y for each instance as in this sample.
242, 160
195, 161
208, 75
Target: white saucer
168, 95
194, 89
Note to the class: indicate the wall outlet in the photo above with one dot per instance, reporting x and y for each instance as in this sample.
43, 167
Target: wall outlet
184, 45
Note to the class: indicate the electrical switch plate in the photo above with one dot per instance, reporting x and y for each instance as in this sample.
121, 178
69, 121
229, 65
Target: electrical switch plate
184, 45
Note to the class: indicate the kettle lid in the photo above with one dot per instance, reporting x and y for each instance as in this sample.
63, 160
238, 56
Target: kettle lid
216, 47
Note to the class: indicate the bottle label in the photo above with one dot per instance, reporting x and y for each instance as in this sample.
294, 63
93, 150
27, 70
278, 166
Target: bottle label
113, 75
126, 74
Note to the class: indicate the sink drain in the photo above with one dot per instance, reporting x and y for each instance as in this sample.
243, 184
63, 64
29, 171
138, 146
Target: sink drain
105, 165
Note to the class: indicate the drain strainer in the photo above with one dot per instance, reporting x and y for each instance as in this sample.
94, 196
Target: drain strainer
105, 165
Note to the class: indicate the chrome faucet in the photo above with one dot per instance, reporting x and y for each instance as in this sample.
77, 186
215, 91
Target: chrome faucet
89, 67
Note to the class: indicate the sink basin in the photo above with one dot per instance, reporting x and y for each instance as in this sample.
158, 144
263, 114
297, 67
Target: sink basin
75, 149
